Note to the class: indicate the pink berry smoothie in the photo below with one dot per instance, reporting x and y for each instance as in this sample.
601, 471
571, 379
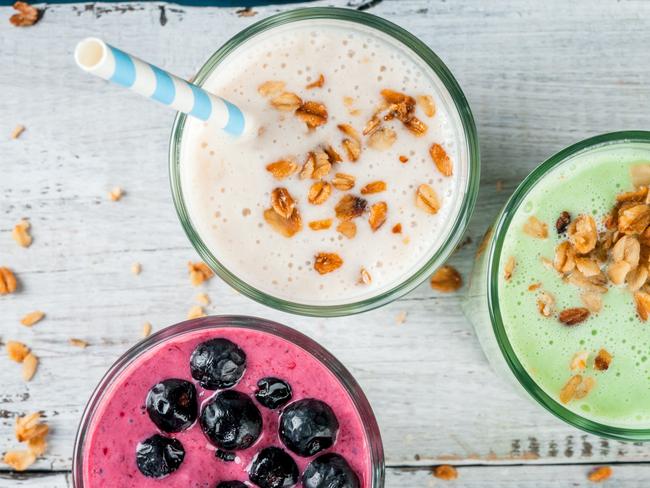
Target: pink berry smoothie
123, 421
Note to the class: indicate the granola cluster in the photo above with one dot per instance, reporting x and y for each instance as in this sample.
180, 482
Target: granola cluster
29, 430
322, 168
593, 258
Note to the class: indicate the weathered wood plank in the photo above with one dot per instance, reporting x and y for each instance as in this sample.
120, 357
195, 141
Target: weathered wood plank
624, 476
539, 75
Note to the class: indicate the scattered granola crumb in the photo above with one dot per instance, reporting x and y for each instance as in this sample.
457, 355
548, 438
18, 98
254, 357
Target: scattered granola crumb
195, 312
26, 16
348, 229
585, 387
286, 101
282, 202
282, 168
30, 364
377, 216
8, 283
599, 474
246, 12
441, 159
80, 343
271, 87
602, 360
509, 268
364, 277
28, 427
18, 130
319, 192
534, 286
17, 351
199, 272
19, 460
427, 104
136, 268
579, 361
343, 181
536, 228
562, 222
116, 194
427, 199
545, 303
397, 229
401, 317
287, 227
403, 159
326, 262
445, 472
446, 279
21, 235
32, 318
642, 301
349, 131
569, 389
373, 187
350, 207
573, 316
146, 329
318, 83
203, 299
323, 224
352, 149
313, 114
382, 139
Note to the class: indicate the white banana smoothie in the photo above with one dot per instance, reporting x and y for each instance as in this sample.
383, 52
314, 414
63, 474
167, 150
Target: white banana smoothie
355, 174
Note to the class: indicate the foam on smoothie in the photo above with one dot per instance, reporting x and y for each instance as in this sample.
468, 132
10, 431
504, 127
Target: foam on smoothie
226, 187
121, 420
587, 183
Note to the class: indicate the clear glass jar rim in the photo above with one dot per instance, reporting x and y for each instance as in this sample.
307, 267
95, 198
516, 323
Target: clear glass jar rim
494, 255
361, 403
469, 195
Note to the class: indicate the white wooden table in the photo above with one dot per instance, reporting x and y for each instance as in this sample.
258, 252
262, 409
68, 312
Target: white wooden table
538, 75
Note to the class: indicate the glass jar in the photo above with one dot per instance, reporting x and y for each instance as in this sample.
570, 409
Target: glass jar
481, 305
186, 335
467, 141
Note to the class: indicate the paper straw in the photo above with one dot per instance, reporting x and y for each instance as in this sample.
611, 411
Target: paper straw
98, 58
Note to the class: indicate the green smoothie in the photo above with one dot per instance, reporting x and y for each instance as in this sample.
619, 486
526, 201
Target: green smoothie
554, 345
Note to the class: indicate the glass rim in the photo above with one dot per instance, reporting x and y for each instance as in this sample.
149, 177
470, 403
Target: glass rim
469, 192
341, 373
494, 255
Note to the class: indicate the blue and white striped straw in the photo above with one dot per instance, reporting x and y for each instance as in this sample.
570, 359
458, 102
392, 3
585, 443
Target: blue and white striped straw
98, 58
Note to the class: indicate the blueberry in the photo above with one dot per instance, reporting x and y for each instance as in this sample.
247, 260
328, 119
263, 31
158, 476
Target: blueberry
226, 456
329, 471
308, 426
217, 363
172, 405
159, 456
273, 392
231, 420
273, 468
231, 484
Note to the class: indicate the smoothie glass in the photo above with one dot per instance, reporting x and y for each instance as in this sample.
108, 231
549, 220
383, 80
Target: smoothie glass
467, 143
173, 336
482, 306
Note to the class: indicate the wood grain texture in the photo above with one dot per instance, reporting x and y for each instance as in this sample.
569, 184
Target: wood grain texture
538, 75
575, 476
